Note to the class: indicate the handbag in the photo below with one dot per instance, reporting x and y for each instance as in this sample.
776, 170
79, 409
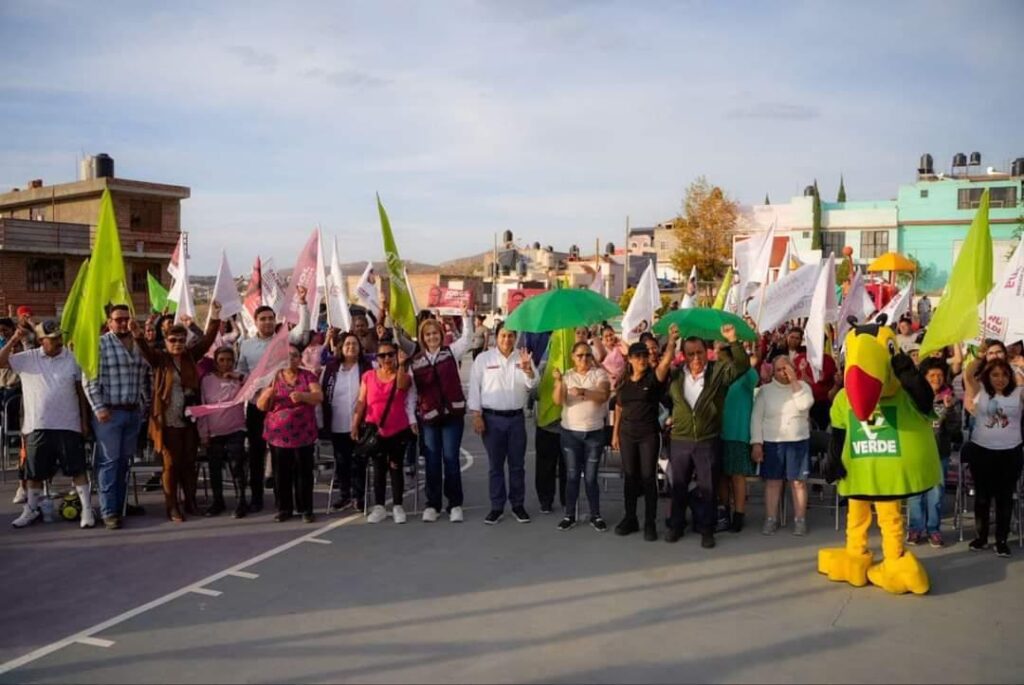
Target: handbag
369, 439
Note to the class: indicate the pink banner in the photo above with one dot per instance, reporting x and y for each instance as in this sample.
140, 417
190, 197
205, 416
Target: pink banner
304, 274
274, 358
450, 301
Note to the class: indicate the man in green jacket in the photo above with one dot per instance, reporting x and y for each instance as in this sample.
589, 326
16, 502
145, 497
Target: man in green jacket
698, 390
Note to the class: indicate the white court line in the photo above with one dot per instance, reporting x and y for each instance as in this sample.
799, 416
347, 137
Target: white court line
86, 636
319, 541
244, 574
207, 591
96, 642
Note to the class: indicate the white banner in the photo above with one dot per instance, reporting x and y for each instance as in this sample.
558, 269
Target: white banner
225, 291
1005, 304
273, 296
646, 301
856, 304
366, 291
690, 297
338, 315
824, 310
785, 299
897, 306
180, 292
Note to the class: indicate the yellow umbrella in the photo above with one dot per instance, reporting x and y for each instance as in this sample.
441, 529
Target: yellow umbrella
892, 261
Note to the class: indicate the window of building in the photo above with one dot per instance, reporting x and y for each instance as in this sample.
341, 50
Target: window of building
924, 193
873, 244
834, 242
44, 275
140, 283
145, 215
970, 198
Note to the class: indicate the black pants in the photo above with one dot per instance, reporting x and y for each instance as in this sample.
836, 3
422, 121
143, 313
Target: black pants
230, 450
388, 459
349, 470
549, 467
995, 474
640, 466
293, 484
821, 415
257, 450
685, 458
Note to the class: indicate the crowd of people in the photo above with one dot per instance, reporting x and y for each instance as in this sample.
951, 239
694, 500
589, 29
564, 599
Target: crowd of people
723, 412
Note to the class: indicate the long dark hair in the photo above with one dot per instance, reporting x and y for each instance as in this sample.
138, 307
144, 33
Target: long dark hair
363, 362
986, 377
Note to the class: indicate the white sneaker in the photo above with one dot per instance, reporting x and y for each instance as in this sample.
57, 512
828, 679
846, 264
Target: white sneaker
429, 515
49, 514
398, 513
455, 515
377, 514
20, 497
88, 518
28, 516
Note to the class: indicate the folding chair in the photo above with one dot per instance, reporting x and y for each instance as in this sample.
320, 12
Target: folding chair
10, 437
819, 445
320, 465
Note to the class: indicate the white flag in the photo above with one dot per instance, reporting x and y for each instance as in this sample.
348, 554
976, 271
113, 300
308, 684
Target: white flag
180, 292
855, 304
225, 292
897, 306
784, 267
597, 285
762, 261
646, 301
338, 315
366, 291
1005, 303
785, 299
273, 296
690, 297
823, 311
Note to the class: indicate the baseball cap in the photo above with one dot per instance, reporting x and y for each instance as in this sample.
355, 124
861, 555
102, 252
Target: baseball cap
48, 329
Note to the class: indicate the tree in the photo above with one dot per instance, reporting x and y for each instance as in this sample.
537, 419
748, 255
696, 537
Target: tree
841, 197
766, 200
816, 225
704, 230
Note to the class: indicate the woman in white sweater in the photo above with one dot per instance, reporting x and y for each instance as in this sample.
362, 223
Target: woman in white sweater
780, 432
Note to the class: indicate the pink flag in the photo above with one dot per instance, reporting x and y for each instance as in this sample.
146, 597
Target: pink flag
303, 274
273, 360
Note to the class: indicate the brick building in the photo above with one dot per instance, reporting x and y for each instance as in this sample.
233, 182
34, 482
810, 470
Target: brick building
47, 231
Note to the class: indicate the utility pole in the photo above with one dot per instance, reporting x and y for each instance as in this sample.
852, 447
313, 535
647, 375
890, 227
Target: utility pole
625, 259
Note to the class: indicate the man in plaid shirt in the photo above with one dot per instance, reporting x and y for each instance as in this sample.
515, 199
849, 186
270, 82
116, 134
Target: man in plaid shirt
115, 396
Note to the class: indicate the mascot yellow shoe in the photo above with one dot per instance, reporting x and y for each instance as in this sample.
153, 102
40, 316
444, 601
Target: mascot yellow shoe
882, 452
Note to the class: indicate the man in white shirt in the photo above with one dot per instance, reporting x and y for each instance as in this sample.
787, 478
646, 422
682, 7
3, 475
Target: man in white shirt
53, 402
499, 385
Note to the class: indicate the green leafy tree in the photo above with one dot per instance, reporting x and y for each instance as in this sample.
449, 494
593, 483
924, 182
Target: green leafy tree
704, 230
816, 225
841, 197
766, 200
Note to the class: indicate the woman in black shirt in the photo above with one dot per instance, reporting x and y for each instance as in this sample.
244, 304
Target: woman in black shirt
637, 433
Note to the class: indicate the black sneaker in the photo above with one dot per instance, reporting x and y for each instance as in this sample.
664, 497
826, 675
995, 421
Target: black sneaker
673, 534
737, 522
216, 509
650, 532
520, 514
282, 516
598, 524
341, 503
308, 517
493, 517
977, 545
1002, 550
627, 525
707, 540
545, 507
240, 511
566, 523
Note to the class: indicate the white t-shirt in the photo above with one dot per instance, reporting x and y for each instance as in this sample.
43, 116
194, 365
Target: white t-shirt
49, 397
582, 414
997, 421
343, 401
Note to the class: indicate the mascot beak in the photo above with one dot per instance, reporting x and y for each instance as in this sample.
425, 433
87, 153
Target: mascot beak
867, 369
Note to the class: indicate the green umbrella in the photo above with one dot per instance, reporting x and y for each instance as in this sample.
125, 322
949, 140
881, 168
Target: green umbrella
704, 323
563, 308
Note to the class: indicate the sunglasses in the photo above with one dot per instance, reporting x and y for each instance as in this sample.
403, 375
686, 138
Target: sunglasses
385, 355
175, 341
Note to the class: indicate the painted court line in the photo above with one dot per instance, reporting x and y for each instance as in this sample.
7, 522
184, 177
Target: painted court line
96, 642
319, 541
244, 574
86, 636
206, 591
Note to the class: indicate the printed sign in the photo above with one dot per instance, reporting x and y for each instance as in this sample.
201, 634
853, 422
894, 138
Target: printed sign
876, 437
449, 301
516, 297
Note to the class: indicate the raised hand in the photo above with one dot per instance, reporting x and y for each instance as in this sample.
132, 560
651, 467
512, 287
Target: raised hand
525, 360
673, 334
215, 308
301, 291
729, 332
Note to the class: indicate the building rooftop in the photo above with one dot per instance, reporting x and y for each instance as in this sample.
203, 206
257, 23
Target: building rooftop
62, 191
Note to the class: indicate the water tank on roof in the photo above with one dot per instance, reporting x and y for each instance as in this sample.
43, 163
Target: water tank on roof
1017, 168
975, 159
609, 248
536, 246
548, 248
927, 165
103, 166
521, 267
959, 159
506, 237
809, 191
574, 252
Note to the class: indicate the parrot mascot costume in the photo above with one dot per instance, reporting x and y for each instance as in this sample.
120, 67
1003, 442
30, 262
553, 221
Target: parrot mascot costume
882, 451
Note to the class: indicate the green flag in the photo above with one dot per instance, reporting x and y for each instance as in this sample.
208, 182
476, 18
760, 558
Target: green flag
723, 290
158, 296
956, 318
400, 306
103, 283
70, 313
559, 357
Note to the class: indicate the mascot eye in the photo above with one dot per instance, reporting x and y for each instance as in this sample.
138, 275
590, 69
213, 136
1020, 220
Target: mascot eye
892, 348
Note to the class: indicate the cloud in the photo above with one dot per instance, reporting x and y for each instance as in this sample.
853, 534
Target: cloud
779, 111
251, 57
347, 78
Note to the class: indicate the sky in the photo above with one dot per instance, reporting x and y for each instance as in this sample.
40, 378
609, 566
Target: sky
555, 120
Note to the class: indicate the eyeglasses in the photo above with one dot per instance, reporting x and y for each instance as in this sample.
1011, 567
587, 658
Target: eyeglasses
385, 355
175, 341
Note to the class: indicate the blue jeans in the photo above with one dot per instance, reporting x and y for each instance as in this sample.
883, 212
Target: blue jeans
116, 442
441, 444
926, 509
505, 441
582, 452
